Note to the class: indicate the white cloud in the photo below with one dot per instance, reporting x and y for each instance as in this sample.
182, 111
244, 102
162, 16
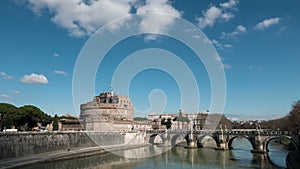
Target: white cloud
81, 17
154, 23
60, 72
197, 37
55, 55
228, 45
223, 65
215, 42
238, 30
267, 23
280, 30
210, 16
34, 79
205, 40
230, 4
214, 14
218, 58
220, 45
226, 66
5, 76
16, 92
241, 28
4, 97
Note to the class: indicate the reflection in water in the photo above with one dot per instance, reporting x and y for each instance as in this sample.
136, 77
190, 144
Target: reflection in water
277, 153
242, 153
275, 158
178, 158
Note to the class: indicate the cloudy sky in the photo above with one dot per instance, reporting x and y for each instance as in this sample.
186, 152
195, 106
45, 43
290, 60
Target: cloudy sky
257, 41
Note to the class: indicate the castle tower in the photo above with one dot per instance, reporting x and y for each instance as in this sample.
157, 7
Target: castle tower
107, 112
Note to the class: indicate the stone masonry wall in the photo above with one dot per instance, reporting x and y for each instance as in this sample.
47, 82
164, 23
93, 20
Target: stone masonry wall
19, 144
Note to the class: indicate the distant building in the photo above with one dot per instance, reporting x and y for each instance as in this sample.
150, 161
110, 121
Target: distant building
107, 112
200, 120
142, 125
180, 120
69, 125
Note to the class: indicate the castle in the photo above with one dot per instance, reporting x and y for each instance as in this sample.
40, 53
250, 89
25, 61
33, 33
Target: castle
107, 112
111, 112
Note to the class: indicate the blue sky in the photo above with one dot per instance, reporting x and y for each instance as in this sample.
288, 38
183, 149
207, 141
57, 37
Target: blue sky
257, 41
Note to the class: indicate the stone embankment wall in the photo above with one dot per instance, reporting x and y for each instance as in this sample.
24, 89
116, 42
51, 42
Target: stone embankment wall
19, 144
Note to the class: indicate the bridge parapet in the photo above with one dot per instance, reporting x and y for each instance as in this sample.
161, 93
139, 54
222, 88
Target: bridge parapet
227, 132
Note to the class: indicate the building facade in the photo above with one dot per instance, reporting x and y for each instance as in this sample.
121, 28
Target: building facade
69, 125
180, 120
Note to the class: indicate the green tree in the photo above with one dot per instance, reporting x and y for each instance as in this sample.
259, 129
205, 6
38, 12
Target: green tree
7, 118
294, 115
167, 123
55, 123
68, 117
23, 118
29, 116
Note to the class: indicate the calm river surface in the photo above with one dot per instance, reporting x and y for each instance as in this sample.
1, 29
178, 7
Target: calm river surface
180, 158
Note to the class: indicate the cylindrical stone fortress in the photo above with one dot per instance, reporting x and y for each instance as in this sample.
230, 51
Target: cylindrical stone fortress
106, 109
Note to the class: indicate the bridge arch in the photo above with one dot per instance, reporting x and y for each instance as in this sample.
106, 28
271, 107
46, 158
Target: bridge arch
267, 141
201, 137
153, 137
240, 136
175, 138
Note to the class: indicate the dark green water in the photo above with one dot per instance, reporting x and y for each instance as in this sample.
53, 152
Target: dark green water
179, 158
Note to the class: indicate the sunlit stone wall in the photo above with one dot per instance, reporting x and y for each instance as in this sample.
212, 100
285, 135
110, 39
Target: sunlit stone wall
28, 143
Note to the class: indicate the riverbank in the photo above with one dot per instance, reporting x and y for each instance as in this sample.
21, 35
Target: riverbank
63, 155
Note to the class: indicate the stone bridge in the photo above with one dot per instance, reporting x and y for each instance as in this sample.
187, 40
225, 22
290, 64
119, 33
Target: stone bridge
259, 139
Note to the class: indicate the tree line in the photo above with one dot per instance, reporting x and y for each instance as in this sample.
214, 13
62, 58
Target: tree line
25, 118
290, 122
22, 118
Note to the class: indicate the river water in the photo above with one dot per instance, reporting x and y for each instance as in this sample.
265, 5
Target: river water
180, 158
